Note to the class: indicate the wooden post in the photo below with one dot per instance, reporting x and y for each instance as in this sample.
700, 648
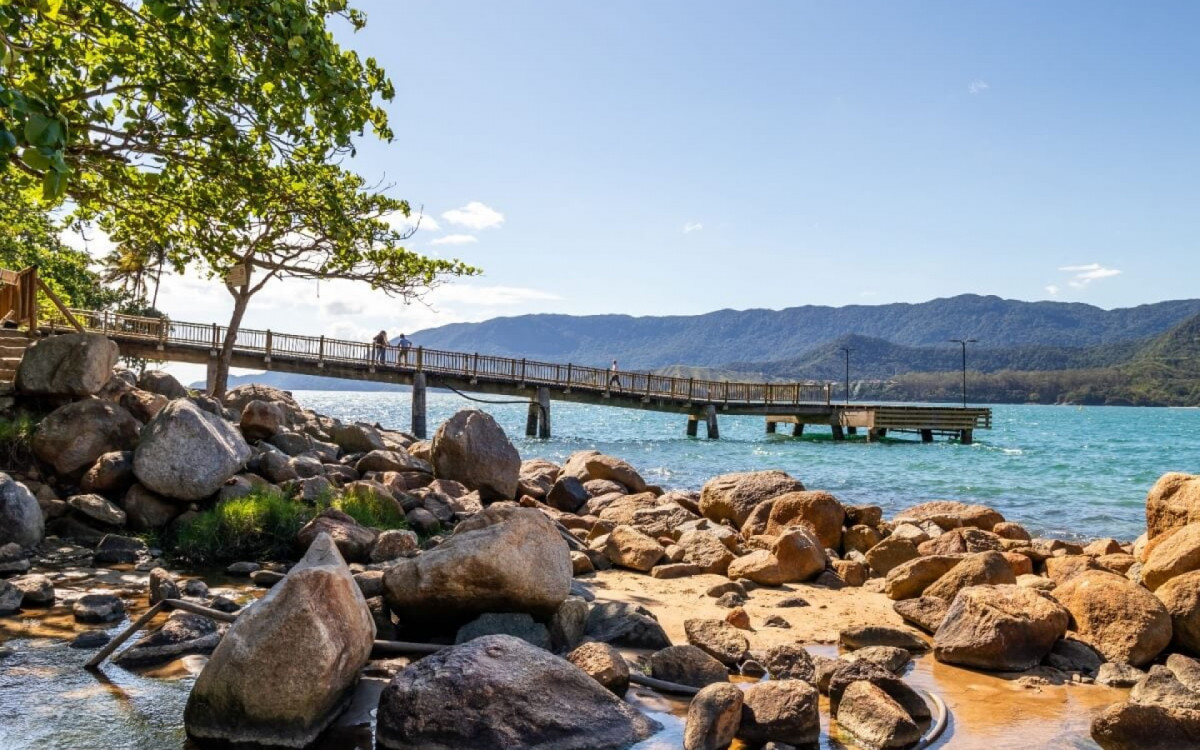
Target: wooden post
770, 427
726, 397
710, 418
269, 342
420, 358
926, 436
522, 371
216, 333
693, 423
798, 429
475, 366
321, 352
543, 400
968, 437
569, 368
420, 427
691, 388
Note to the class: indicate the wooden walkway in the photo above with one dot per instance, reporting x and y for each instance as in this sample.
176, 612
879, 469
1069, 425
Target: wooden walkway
798, 404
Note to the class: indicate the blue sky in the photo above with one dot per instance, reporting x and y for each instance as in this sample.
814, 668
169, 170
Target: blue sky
678, 157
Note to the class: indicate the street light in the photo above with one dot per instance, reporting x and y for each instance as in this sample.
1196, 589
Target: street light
847, 350
964, 343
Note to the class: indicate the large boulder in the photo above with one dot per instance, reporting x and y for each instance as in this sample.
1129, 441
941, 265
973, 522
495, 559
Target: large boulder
261, 420
588, 465
604, 664
72, 437
237, 398
287, 666
705, 550
148, 511
687, 665
112, 474
821, 511
630, 548
800, 554
713, 718
354, 541
1001, 628
733, 497
499, 560
21, 520
871, 715
1177, 554
187, 454
1124, 621
75, 364
950, 514
1134, 726
1181, 597
624, 624
983, 569
1173, 501
910, 579
163, 383
472, 448
780, 711
423, 706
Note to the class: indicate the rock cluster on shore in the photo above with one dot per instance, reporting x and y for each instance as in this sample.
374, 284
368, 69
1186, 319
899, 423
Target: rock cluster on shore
491, 577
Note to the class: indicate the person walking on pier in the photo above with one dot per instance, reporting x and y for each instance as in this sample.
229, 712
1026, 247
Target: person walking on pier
614, 378
405, 345
380, 341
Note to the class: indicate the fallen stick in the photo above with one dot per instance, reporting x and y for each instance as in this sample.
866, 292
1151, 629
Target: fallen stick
940, 720
405, 647
148, 615
638, 678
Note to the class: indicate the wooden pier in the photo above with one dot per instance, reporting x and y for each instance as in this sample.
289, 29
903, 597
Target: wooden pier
799, 404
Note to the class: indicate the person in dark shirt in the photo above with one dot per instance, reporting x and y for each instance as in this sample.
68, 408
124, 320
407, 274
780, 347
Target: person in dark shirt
405, 345
380, 341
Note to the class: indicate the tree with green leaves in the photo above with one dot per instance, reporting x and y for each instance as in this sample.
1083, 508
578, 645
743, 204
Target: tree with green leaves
300, 219
109, 92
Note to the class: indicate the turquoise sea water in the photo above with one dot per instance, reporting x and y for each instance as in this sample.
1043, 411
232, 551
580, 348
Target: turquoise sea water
1059, 470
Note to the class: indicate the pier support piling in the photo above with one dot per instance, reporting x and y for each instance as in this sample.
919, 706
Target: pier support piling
531, 420
692, 425
543, 401
210, 375
838, 433
926, 436
798, 429
967, 437
710, 417
419, 425
851, 430
771, 427
876, 433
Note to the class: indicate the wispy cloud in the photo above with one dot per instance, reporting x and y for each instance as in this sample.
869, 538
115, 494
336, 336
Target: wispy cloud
978, 86
868, 293
474, 215
455, 239
416, 220
1052, 290
692, 226
1083, 275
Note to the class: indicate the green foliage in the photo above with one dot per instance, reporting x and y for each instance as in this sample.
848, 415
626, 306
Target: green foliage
98, 93
16, 440
370, 509
259, 526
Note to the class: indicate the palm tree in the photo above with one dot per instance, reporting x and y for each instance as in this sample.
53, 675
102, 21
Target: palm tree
132, 268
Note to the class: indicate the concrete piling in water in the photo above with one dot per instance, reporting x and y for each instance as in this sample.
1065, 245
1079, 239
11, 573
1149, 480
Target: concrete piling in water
710, 418
419, 425
543, 400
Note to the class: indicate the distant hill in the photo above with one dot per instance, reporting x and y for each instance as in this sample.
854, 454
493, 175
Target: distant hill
749, 336
293, 382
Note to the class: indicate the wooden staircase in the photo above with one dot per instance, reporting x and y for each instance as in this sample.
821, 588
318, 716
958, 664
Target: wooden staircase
13, 343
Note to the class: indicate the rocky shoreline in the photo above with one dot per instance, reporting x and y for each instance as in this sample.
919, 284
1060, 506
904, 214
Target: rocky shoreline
497, 564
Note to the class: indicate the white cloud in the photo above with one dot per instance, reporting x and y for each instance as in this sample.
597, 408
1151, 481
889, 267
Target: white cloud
92, 241
978, 86
692, 226
416, 220
1082, 275
1052, 290
868, 293
474, 215
455, 239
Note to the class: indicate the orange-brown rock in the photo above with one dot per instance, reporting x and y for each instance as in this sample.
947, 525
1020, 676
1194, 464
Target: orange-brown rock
819, 510
1173, 501
1123, 620
1177, 554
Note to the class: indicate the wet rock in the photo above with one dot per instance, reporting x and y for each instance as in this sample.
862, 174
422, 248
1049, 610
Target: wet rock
354, 541
627, 625
495, 675
114, 549
687, 665
604, 664
12, 559
251, 690
73, 364
517, 625
224, 604
1123, 620
926, 612
195, 587
734, 496
98, 509
98, 608
713, 718
780, 711
471, 448
789, 662
36, 590
846, 673
187, 453
1132, 726
865, 636
266, 578
10, 598
718, 639
183, 633
1002, 628
90, 639
162, 586
21, 521
242, 568
870, 714
499, 560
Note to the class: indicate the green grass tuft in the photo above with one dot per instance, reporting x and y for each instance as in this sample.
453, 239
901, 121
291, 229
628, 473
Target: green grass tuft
370, 509
260, 526
16, 441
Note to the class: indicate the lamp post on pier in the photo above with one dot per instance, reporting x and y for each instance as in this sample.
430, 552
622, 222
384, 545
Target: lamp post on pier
847, 351
964, 343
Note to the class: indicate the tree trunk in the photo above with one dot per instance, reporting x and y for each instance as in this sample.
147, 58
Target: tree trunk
240, 300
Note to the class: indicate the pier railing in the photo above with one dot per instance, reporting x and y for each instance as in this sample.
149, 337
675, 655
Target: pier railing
163, 333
